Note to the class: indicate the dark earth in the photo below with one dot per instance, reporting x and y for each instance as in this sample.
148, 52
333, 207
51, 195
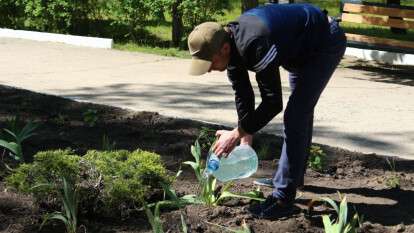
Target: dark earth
361, 177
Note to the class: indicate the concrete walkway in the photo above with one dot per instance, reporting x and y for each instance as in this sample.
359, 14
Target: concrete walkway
364, 108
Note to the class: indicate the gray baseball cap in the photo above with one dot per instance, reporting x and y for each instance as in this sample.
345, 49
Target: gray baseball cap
203, 42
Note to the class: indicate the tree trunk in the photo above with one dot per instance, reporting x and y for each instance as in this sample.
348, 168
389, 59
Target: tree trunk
177, 24
249, 4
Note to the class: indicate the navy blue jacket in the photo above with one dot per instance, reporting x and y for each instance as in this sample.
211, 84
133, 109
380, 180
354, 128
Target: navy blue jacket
262, 39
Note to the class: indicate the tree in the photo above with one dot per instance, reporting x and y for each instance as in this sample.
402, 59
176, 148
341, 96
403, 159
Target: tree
249, 4
177, 24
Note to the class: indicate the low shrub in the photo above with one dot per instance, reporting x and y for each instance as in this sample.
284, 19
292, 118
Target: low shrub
109, 182
129, 177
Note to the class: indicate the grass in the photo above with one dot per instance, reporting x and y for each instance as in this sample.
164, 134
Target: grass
162, 31
172, 52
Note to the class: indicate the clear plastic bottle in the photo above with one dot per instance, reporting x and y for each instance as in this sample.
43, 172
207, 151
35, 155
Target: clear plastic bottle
241, 163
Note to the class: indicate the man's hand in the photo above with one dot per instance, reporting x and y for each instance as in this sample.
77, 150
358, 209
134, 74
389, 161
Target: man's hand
247, 140
228, 140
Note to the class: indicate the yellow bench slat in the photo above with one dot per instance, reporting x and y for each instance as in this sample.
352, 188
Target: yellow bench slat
377, 20
380, 41
377, 10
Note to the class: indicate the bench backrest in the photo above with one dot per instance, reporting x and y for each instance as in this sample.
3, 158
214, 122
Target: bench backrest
376, 14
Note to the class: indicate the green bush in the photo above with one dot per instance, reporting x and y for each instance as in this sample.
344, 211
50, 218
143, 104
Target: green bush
10, 12
48, 167
129, 177
110, 180
196, 12
49, 15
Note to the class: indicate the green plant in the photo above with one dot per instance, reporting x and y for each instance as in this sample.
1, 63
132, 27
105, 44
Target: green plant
317, 159
154, 218
129, 177
206, 137
393, 181
69, 197
15, 135
107, 179
47, 168
209, 195
90, 117
107, 144
263, 151
341, 224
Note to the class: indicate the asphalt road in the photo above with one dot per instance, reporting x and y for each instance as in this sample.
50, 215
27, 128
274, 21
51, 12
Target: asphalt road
365, 108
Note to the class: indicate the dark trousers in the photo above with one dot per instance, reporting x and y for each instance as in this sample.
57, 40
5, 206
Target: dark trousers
307, 83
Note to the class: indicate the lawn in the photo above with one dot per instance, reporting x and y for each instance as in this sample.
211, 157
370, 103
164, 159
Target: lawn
163, 31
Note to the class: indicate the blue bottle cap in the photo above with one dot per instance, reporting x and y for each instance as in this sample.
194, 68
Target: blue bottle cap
213, 165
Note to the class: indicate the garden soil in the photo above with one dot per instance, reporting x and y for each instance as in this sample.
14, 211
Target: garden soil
360, 177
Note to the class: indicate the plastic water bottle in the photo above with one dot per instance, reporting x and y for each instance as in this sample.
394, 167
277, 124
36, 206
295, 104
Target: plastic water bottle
241, 163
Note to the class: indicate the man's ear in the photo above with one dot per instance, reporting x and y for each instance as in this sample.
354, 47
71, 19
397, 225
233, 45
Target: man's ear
225, 49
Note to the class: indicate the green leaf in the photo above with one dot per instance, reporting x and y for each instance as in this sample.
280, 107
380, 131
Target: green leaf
327, 224
27, 131
194, 165
13, 147
249, 195
183, 225
332, 203
343, 213
11, 133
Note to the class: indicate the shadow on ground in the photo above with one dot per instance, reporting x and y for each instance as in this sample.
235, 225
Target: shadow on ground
387, 214
396, 74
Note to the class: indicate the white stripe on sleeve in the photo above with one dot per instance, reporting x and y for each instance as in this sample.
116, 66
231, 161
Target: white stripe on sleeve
265, 57
267, 61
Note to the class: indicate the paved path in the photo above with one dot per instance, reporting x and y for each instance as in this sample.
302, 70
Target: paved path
364, 108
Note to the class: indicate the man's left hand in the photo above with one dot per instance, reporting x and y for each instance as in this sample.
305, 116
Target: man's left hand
226, 142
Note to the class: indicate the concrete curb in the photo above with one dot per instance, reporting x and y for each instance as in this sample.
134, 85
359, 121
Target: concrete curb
93, 42
381, 56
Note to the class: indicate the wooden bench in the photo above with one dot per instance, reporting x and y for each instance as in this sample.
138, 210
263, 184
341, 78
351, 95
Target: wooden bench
362, 12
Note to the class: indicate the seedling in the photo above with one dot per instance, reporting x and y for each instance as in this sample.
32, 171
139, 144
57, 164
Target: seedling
15, 136
69, 197
154, 218
206, 137
90, 117
394, 180
209, 194
107, 144
263, 151
341, 224
317, 159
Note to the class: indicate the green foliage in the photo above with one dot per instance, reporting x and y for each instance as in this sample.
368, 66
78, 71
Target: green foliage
51, 16
10, 12
196, 12
15, 135
154, 218
207, 183
110, 179
341, 224
48, 168
90, 117
68, 194
317, 159
128, 176
107, 144
206, 137
394, 180
132, 13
